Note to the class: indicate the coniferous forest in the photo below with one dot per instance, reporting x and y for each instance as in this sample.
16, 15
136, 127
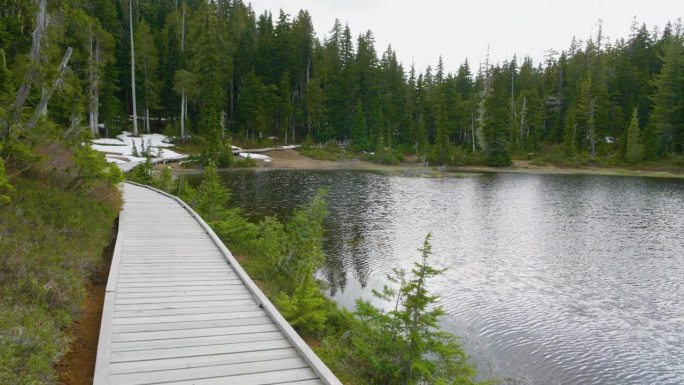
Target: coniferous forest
214, 72
219, 71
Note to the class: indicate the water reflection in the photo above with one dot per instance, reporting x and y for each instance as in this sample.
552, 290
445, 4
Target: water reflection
550, 280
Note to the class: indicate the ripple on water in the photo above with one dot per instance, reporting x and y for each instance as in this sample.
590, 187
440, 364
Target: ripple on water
550, 280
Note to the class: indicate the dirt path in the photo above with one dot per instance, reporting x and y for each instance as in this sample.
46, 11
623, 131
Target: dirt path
78, 365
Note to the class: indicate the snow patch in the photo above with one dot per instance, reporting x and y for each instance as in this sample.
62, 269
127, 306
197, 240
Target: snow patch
120, 150
265, 158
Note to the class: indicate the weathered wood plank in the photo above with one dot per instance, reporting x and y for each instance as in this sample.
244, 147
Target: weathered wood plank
266, 378
190, 324
184, 305
304, 382
194, 351
201, 361
195, 341
189, 317
197, 279
184, 311
180, 289
207, 372
178, 299
187, 333
179, 284
164, 294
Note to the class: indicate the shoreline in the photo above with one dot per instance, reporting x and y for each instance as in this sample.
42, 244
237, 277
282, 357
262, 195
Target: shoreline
293, 160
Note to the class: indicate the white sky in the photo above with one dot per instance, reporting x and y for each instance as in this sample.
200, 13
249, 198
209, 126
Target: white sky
422, 30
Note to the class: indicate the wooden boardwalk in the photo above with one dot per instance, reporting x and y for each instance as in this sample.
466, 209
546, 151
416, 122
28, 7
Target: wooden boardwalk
180, 310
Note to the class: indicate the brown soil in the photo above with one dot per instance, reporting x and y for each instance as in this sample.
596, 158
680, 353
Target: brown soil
291, 159
77, 366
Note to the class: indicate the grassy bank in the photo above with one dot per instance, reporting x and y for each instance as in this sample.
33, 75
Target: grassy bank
61, 203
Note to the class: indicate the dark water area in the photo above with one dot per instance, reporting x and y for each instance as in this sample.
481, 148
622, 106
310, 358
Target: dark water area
551, 279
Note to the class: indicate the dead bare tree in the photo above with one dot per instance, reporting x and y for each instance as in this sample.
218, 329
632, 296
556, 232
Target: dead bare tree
94, 77
135, 114
48, 92
184, 97
34, 67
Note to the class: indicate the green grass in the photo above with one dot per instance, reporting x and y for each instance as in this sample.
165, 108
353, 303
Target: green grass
327, 152
52, 234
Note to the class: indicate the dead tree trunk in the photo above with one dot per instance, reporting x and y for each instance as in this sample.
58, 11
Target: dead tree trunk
32, 73
47, 93
94, 97
522, 117
183, 96
135, 114
147, 118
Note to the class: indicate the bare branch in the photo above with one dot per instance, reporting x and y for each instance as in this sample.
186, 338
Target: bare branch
47, 94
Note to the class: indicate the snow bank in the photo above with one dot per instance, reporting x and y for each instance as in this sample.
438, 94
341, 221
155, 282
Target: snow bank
265, 158
120, 150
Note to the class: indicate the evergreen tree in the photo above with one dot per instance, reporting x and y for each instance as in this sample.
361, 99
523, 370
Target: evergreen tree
360, 131
666, 132
306, 308
496, 120
305, 233
405, 345
586, 114
212, 195
147, 66
634, 150
315, 106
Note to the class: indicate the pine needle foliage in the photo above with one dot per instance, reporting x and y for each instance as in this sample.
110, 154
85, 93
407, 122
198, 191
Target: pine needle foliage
406, 344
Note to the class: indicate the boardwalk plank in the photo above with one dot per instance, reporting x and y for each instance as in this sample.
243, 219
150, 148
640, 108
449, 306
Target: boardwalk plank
163, 294
156, 354
184, 305
265, 378
190, 324
207, 372
201, 361
184, 298
186, 310
189, 317
180, 309
175, 343
202, 332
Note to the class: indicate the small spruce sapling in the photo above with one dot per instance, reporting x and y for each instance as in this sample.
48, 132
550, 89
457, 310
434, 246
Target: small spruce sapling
306, 309
212, 196
406, 345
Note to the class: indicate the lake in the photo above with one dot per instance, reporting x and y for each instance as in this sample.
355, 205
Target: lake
551, 279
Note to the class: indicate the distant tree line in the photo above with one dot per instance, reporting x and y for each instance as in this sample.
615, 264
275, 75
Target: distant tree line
216, 70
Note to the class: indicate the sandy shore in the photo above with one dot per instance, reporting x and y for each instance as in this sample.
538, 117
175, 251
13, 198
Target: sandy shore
292, 160
527, 167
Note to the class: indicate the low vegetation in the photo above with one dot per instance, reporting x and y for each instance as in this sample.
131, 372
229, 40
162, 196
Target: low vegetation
58, 203
404, 345
330, 151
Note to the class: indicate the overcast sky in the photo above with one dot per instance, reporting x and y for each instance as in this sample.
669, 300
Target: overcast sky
422, 30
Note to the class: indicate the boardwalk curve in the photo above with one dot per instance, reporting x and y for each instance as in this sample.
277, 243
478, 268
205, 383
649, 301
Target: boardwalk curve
180, 310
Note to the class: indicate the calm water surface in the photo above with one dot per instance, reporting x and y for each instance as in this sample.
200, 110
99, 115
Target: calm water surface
551, 279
